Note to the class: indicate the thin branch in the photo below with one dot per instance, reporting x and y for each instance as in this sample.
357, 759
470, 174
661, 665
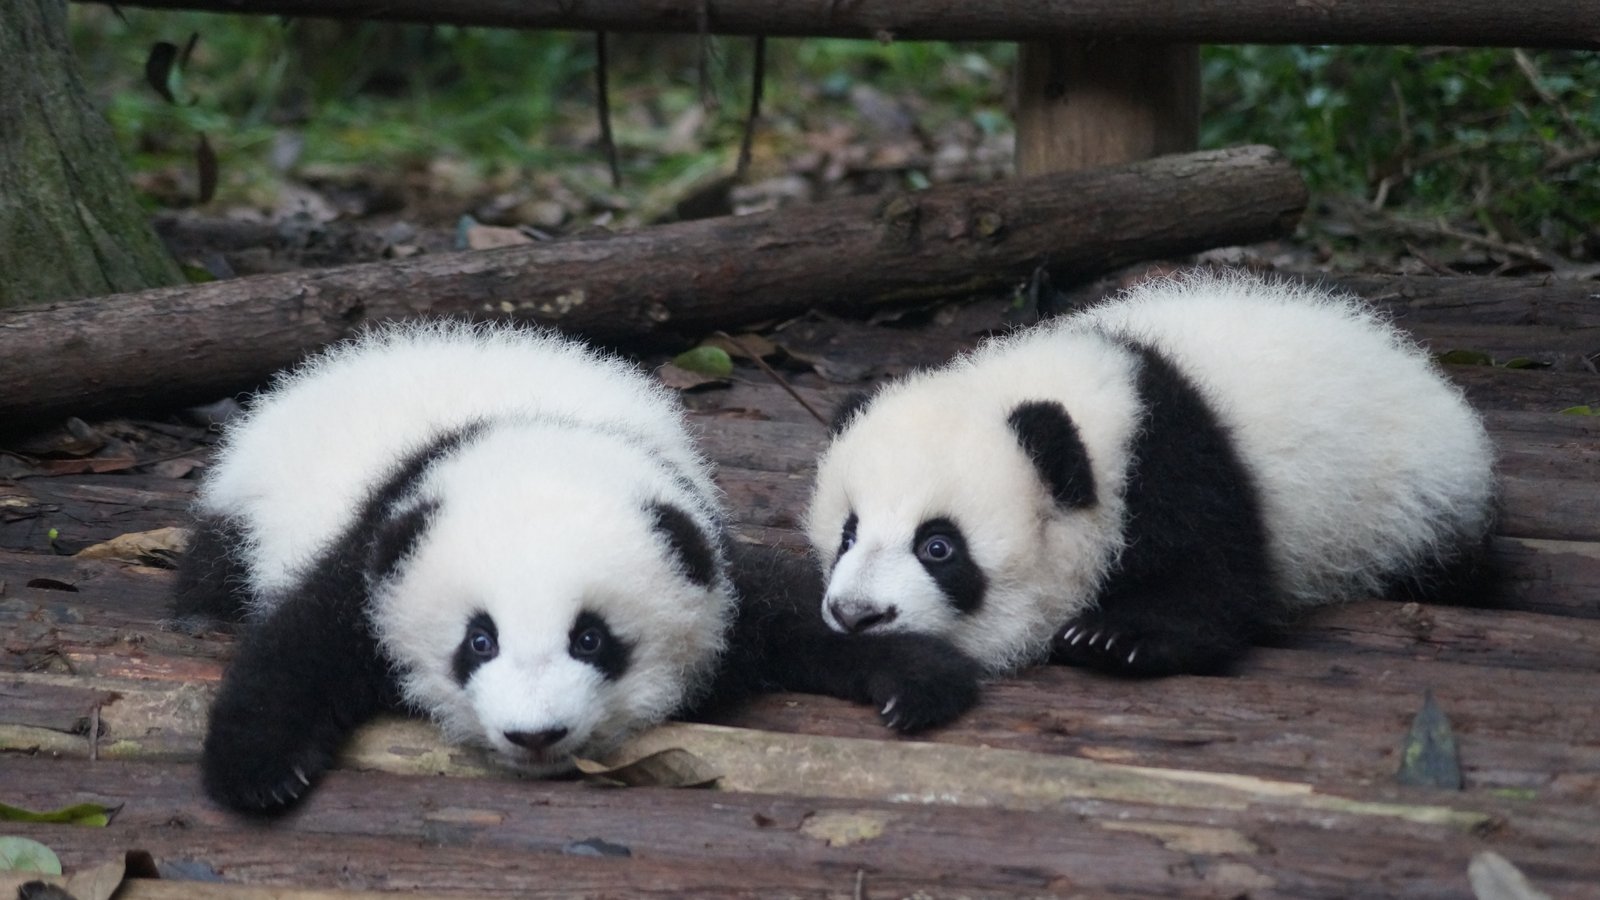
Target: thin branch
757, 81
603, 100
772, 373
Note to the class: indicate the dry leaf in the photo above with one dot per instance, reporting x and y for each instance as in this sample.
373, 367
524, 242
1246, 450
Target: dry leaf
672, 767
488, 237
139, 546
681, 379
98, 882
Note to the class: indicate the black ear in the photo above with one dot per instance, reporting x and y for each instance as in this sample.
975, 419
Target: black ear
846, 410
392, 540
688, 542
1050, 439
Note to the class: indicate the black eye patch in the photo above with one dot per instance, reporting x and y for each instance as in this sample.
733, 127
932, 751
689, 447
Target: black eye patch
592, 641
847, 536
479, 644
942, 549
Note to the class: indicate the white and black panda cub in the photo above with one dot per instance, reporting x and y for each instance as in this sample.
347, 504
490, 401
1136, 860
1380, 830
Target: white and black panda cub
500, 529
1148, 485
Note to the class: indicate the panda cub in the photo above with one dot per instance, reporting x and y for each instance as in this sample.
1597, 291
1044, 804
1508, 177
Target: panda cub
1149, 485
492, 526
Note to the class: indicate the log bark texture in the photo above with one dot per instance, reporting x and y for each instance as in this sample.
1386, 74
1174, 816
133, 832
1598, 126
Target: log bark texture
174, 345
1537, 23
69, 223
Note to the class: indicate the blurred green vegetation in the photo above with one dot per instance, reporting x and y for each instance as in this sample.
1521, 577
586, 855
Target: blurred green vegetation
1490, 139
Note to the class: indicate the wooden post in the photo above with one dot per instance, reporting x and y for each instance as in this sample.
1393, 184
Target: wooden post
1096, 102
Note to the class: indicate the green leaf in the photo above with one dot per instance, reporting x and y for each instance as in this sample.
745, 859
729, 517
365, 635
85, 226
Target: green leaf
1580, 411
1465, 358
20, 854
91, 814
1522, 362
1429, 757
705, 360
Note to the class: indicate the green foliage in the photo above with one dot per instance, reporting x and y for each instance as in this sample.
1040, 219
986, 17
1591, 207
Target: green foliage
1474, 134
20, 854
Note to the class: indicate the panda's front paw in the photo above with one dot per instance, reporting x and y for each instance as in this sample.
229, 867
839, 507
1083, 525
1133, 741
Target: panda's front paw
249, 770
924, 683
1125, 646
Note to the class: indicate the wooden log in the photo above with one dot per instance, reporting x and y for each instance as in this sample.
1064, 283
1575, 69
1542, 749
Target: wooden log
1085, 102
1478, 299
1538, 23
172, 345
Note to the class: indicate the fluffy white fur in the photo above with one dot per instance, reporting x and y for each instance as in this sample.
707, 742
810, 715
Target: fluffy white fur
541, 514
1367, 461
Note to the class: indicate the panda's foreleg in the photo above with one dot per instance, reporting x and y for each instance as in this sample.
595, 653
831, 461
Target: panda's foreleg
779, 642
303, 679
1167, 630
211, 579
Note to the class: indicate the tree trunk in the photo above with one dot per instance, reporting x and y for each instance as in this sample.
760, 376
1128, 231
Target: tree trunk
189, 343
1085, 103
69, 223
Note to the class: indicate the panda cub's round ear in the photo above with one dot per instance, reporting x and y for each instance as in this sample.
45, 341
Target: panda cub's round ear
1050, 439
846, 411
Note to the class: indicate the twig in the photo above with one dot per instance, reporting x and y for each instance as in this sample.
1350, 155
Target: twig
1437, 267
1531, 72
94, 733
603, 99
702, 27
771, 373
1566, 159
757, 80
861, 877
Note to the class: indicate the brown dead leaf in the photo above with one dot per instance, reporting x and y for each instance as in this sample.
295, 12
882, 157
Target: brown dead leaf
97, 882
488, 237
743, 346
93, 465
139, 546
681, 379
672, 767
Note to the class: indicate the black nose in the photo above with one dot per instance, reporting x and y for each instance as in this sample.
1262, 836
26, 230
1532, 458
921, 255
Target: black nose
536, 740
856, 617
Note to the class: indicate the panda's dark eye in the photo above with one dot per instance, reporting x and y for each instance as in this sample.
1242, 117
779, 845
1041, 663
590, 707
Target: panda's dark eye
482, 643
588, 642
479, 644
936, 548
847, 538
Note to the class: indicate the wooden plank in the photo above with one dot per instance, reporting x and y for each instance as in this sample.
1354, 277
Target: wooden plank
409, 832
1538, 23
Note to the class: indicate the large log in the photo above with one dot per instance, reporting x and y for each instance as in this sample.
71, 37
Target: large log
181, 344
1536, 23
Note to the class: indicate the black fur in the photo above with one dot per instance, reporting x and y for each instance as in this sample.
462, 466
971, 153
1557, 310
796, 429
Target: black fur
614, 654
779, 642
312, 670
1194, 585
688, 543
959, 577
211, 578
847, 409
1049, 437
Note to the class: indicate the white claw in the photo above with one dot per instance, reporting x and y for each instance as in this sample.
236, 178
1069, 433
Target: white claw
1110, 641
298, 773
1096, 639
889, 707
1067, 635
1077, 639
1132, 655
277, 799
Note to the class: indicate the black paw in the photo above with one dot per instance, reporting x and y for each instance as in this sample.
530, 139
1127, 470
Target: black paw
923, 683
251, 773
1095, 640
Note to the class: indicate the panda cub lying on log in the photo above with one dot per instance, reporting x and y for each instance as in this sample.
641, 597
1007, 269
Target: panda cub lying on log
1149, 485
504, 531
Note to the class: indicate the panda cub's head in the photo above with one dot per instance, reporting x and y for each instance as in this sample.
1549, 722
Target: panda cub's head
545, 594
958, 503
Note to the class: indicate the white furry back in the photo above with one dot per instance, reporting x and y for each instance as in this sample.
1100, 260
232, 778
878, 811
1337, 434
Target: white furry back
296, 467
1367, 460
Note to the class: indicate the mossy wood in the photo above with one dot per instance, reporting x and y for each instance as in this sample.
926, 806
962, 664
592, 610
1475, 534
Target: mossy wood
69, 223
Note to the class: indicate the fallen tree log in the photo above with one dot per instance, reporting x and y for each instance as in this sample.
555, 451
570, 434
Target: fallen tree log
174, 345
1536, 23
